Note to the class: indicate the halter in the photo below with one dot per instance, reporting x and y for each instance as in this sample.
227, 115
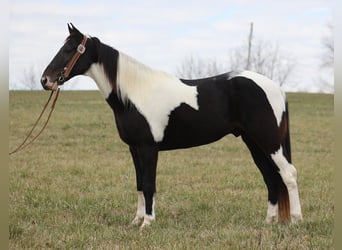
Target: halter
67, 69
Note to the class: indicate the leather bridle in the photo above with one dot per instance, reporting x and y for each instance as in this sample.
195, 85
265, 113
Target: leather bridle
67, 69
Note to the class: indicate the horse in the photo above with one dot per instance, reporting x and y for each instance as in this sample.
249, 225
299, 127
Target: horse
156, 111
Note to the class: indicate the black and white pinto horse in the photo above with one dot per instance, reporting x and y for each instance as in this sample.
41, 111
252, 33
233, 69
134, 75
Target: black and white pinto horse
155, 111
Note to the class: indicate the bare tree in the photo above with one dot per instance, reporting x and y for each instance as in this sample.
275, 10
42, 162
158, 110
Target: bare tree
266, 58
195, 67
325, 84
328, 45
262, 57
30, 78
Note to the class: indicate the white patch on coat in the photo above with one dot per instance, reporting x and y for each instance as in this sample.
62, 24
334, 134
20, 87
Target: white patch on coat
149, 218
274, 94
272, 213
154, 93
289, 175
96, 72
139, 217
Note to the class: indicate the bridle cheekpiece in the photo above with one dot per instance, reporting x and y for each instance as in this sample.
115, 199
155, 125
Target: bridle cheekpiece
67, 69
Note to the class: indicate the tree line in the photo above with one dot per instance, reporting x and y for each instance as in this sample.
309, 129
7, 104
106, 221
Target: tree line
264, 57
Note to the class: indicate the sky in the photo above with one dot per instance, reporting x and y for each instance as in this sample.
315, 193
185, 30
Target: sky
162, 34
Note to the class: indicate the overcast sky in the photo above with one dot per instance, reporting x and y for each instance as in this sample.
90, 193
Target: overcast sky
162, 34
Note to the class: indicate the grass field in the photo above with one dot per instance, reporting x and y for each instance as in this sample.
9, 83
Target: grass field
74, 188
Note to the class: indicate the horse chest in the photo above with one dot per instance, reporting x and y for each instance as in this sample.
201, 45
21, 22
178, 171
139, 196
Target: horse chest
160, 100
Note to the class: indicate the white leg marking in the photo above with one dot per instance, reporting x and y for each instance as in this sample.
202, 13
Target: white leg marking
272, 213
289, 175
148, 218
139, 217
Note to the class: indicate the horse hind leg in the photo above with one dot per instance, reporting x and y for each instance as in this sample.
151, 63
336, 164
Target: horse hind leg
276, 196
289, 175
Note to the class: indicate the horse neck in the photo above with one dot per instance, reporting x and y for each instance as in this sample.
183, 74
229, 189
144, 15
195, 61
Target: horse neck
104, 69
115, 72
135, 80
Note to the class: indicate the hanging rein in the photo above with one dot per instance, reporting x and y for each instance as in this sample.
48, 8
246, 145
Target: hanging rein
64, 74
23, 145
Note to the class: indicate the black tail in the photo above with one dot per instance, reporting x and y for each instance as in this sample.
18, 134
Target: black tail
283, 194
283, 202
287, 142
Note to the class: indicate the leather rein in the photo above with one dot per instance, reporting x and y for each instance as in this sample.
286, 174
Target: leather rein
66, 72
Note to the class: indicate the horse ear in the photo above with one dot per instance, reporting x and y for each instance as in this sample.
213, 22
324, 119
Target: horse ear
72, 29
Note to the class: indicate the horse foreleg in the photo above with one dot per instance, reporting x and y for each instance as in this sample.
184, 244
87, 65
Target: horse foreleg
145, 162
149, 188
139, 217
145, 211
149, 210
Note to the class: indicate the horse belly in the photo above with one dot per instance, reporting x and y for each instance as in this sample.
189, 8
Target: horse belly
189, 128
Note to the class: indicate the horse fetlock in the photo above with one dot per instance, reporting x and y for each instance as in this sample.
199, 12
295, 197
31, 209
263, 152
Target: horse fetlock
272, 213
272, 219
147, 221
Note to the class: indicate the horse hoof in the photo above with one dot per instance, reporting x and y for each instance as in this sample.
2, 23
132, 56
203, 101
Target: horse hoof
147, 221
296, 218
137, 221
271, 219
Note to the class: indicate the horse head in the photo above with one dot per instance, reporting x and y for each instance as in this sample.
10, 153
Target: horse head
72, 59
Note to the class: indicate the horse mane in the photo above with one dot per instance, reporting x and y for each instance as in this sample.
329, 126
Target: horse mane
136, 81
131, 79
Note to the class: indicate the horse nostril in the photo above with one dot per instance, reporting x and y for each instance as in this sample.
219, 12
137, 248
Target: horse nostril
43, 80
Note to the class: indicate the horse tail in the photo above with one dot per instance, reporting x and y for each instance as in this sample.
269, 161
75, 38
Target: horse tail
283, 203
287, 142
283, 194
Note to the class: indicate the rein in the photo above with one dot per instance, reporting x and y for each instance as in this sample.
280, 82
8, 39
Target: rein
23, 145
64, 74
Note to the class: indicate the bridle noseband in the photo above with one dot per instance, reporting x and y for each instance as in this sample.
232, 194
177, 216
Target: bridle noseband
67, 69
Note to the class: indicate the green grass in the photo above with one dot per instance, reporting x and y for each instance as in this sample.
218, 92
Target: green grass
74, 188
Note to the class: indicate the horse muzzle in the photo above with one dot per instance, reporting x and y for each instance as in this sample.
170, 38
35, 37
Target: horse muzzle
49, 85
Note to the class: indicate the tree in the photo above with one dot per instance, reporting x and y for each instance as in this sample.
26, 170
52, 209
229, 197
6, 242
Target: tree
328, 46
262, 57
195, 67
326, 83
265, 58
30, 78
